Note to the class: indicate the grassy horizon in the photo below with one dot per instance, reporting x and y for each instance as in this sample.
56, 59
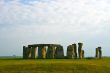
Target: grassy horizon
19, 65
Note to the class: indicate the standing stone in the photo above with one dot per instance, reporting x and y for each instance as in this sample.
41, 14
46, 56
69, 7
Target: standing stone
70, 52
98, 53
82, 53
80, 50
29, 49
41, 52
24, 52
75, 51
33, 52
44, 52
51, 52
59, 53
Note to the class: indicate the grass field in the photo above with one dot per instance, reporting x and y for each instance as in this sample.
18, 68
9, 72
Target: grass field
55, 66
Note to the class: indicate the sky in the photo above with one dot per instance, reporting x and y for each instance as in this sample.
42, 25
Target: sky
64, 22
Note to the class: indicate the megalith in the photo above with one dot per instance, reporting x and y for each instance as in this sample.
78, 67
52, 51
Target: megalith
70, 52
80, 50
41, 52
75, 50
33, 52
51, 52
82, 53
98, 53
59, 53
24, 52
44, 52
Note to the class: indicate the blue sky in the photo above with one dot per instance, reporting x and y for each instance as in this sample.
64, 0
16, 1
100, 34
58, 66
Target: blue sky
24, 22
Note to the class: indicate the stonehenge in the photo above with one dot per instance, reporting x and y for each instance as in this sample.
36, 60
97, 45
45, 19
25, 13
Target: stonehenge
98, 53
56, 51
49, 51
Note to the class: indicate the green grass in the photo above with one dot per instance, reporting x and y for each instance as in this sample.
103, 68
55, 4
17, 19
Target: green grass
55, 66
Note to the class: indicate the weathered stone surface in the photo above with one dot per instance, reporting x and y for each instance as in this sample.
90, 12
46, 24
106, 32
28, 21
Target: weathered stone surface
59, 53
75, 50
82, 53
80, 50
28, 53
36, 45
33, 52
98, 53
41, 52
70, 52
51, 52
55, 51
44, 52
24, 52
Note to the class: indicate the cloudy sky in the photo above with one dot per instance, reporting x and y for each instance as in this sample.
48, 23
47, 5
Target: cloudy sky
24, 22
